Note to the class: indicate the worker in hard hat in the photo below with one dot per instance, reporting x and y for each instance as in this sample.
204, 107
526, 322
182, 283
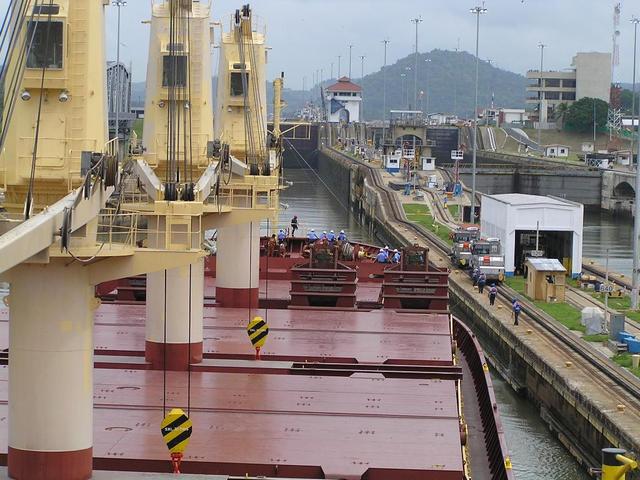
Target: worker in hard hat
396, 256
331, 236
312, 236
382, 256
342, 237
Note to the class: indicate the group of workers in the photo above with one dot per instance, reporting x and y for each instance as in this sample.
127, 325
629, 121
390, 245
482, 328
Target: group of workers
480, 280
331, 237
385, 255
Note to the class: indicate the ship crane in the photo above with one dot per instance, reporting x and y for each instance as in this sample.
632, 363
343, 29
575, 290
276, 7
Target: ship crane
195, 178
58, 170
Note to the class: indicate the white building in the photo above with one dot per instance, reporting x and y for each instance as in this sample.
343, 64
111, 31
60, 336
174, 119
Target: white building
589, 76
516, 116
344, 99
519, 220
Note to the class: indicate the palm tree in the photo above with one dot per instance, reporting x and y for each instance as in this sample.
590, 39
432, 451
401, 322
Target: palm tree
559, 114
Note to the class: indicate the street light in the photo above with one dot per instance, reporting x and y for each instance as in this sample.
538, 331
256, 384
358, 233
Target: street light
418, 20
362, 57
403, 76
339, 57
119, 4
408, 69
541, 46
636, 218
426, 90
350, 50
384, 91
477, 11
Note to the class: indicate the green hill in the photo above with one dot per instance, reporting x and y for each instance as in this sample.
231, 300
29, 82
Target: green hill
448, 79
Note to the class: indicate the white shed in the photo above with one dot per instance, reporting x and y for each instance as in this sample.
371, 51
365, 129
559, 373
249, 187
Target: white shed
534, 226
556, 150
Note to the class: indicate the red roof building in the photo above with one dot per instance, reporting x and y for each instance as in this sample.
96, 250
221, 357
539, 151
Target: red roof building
344, 84
344, 100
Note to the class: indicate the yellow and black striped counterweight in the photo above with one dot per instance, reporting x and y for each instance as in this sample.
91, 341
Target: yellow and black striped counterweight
258, 330
176, 430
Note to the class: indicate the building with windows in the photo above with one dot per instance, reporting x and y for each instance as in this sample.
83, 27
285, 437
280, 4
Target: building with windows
344, 100
589, 76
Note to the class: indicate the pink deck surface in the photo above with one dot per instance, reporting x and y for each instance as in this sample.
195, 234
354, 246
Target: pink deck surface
366, 337
343, 425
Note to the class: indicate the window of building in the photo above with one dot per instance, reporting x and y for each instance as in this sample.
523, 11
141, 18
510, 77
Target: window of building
568, 83
237, 85
45, 54
46, 9
174, 71
552, 95
552, 82
568, 96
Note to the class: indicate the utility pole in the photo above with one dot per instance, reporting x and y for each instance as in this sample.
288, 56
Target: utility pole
350, 50
477, 11
119, 4
636, 218
384, 92
417, 21
635, 22
331, 78
541, 46
339, 57
362, 57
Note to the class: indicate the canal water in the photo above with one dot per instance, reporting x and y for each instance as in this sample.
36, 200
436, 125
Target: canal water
535, 452
603, 231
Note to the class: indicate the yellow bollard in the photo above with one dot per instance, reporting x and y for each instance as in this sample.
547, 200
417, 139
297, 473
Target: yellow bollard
615, 465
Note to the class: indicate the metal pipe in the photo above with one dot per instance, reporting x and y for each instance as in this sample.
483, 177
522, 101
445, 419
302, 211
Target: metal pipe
477, 11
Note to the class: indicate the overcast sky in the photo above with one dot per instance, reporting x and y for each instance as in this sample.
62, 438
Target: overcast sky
307, 35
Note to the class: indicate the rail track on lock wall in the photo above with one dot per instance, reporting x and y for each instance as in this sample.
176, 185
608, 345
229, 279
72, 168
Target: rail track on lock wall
614, 379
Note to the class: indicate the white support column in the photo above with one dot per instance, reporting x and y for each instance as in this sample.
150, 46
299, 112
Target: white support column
169, 316
238, 265
184, 287
50, 372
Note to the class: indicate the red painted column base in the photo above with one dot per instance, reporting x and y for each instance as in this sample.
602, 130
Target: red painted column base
237, 297
32, 465
177, 355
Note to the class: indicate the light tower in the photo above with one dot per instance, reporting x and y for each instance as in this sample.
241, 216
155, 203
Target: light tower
477, 11
418, 20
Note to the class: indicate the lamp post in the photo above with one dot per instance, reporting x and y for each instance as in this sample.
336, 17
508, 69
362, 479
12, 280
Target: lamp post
477, 11
403, 76
362, 57
350, 50
541, 46
331, 71
384, 92
119, 4
339, 57
636, 218
417, 21
426, 90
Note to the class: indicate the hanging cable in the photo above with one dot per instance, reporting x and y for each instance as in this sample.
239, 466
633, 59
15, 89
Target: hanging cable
250, 267
189, 349
164, 352
29, 200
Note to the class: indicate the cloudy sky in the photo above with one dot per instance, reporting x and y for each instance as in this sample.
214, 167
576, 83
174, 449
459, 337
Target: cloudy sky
307, 35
